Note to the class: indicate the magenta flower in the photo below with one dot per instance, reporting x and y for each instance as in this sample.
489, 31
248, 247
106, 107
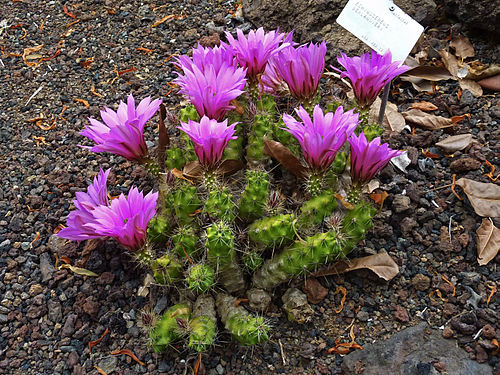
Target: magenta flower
122, 131
126, 219
272, 81
253, 51
78, 221
212, 87
323, 136
369, 74
206, 56
210, 138
368, 158
302, 68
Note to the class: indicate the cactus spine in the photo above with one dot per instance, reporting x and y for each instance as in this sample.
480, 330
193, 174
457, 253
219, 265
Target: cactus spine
170, 327
272, 231
254, 198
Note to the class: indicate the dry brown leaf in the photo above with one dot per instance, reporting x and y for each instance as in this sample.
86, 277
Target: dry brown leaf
478, 70
455, 143
429, 73
426, 120
450, 62
130, 354
285, 157
29, 51
424, 106
488, 241
193, 170
473, 86
78, 270
462, 46
484, 197
491, 83
393, 120
230, 166
382, 264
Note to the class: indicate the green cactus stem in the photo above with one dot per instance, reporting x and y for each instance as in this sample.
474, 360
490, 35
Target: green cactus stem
222, 256
254, 198
201, 278
313, 212
203, 325
220, 205
244, 327
158, 229
175, 158
355, 225
170, 327
252, 261
184, 200
166, 270
314, 185
255, 148
189, 113
339, 163
303, 256
272, 231
184, 242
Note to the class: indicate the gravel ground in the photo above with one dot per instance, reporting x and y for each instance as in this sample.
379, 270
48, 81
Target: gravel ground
48, 316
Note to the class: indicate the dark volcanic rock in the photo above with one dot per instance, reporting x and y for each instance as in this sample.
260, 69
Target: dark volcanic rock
413, 351
315, 19
478, 14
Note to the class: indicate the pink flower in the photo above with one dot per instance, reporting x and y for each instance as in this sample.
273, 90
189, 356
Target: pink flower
122, 131
211, 87
210, 138
272, 80
253, 51
79, 220
369, 75
302, 68
323, 136
368, 158
207, 56
126, 219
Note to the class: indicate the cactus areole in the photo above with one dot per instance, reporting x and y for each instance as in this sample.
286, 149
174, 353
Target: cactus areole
247, 187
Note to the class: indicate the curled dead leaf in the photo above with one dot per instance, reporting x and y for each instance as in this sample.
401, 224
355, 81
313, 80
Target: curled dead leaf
474, 87
30, 51
455, 143
428, 73
488, 241
393, 120
78, 270
382, 264
230, 166
130, 354
193, 170
285, 157
491, 83
95, 342
426, 120
450, 62
424, 106
462, 46
484, 197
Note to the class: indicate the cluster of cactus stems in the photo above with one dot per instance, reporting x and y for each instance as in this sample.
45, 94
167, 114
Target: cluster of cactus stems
240, 232
238, 212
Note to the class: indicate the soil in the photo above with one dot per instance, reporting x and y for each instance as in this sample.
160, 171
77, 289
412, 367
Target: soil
94, 54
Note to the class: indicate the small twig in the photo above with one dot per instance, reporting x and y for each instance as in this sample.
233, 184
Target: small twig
449, 226
34, 94
283, 358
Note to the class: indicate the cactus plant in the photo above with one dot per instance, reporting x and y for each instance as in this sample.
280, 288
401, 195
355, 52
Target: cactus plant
218, 229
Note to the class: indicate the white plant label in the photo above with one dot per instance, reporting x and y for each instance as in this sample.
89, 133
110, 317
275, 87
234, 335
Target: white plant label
382, 26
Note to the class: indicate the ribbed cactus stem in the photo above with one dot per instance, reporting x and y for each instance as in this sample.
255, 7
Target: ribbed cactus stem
272, 231
203, 325
222, 256
254, 198
244, 327
314, 184
301, 257
354, 195
220, 205
170, 327
201, 278
313, 212
166, 270
355, 225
